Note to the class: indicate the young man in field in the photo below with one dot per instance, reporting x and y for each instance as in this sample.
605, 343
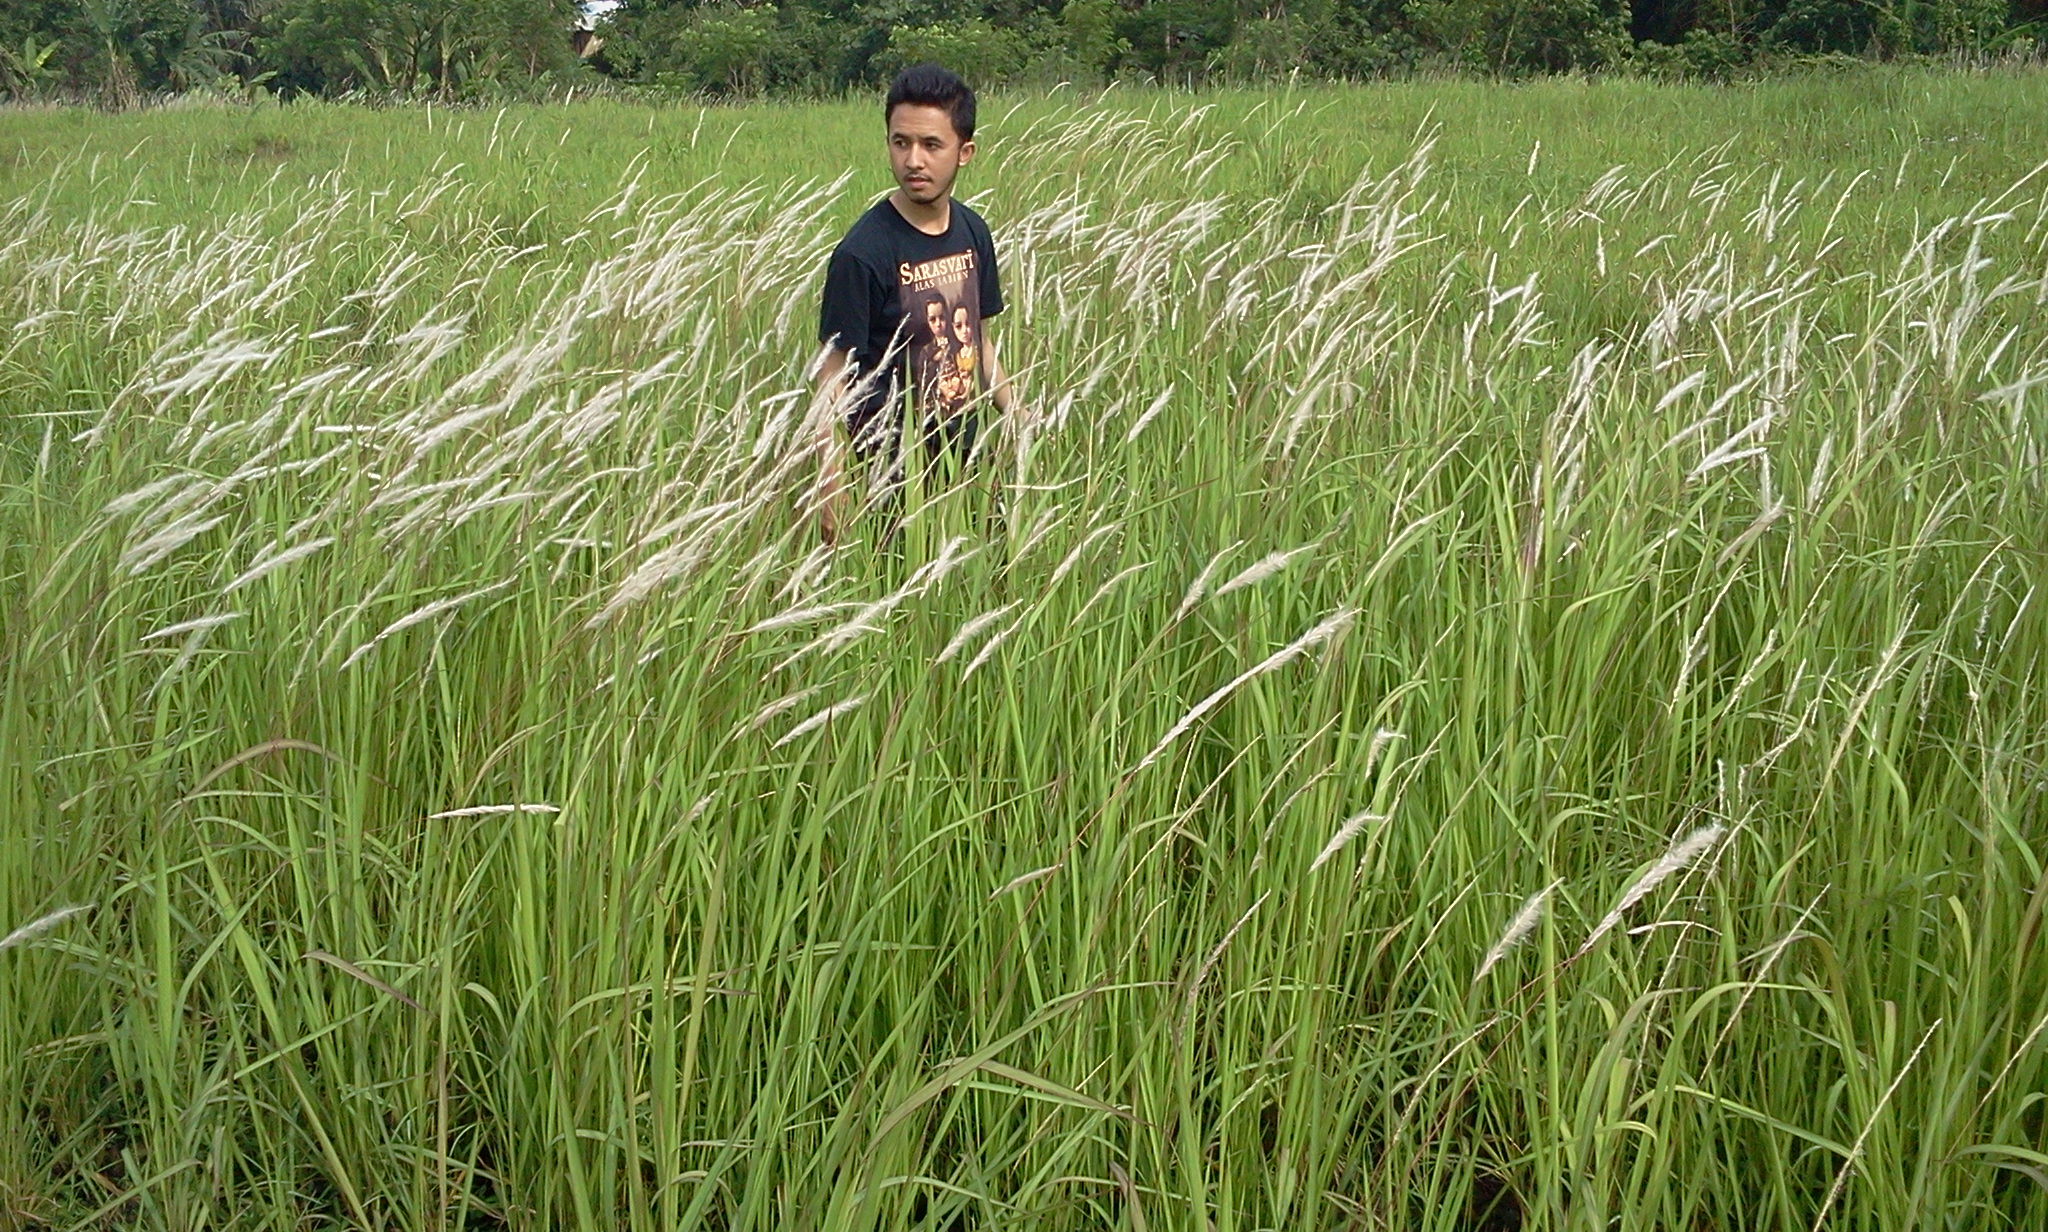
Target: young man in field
908, 289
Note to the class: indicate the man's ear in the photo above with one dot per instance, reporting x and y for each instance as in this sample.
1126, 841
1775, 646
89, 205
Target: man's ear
967, 151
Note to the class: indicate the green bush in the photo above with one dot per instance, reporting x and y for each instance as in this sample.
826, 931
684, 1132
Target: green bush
1710, 55
454, 48
1173, 40
727, 50
1317, 39
26, 71
1264, 48
1090, 38
1524, 36
983, 53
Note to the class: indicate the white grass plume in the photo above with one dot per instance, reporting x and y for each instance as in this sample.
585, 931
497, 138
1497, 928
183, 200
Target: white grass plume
1106, 587
1200, 586
1382, 739
264, 567
819, 719
196, 625
989, 648
1158, 405
1024, 879
1040, 528
796, 616
868, 619
128, 502
1520, 925
137, 560
781, 705
420, 616
672, 562
1267, 566
1073, 558
1328, 628
36, 928
1345, 833
970, 628
492, 810
1733, 449
1682, 855
1216, 955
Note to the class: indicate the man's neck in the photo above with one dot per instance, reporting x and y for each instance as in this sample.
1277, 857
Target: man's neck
933, 219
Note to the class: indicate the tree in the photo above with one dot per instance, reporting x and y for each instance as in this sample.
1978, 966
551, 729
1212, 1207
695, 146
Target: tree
120, 36
412, 47
1174, 39
1091, 40
203, 57
26, 71
1522, 36
982, 53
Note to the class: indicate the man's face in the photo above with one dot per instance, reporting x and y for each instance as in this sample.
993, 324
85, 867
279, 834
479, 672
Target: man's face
925, 152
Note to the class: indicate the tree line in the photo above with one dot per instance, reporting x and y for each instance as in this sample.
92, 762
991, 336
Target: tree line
120, 52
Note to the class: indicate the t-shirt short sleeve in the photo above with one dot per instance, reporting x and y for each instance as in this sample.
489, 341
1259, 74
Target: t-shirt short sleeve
991, 289
846, 310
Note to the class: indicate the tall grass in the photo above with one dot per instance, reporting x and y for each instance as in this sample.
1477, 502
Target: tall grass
1465, 716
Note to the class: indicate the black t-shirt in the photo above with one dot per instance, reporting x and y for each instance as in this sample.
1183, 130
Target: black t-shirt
896, 298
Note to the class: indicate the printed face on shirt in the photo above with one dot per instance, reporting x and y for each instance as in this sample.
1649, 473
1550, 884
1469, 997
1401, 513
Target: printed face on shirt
942, 372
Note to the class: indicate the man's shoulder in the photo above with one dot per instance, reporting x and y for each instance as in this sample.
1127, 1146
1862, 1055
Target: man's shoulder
868, 233
976, 224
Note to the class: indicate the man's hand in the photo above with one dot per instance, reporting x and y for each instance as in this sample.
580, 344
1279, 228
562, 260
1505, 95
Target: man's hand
830, 498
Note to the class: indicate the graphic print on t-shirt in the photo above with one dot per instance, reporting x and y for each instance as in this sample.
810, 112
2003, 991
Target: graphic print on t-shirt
941, 300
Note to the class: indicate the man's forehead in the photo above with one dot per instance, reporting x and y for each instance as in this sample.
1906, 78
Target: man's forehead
920, 120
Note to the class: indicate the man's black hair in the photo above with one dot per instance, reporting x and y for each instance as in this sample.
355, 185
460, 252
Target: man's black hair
928, 85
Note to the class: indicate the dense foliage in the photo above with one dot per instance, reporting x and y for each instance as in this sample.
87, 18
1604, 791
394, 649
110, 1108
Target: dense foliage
117, 51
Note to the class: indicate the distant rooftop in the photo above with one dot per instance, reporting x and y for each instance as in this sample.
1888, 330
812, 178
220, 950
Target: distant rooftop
592, 13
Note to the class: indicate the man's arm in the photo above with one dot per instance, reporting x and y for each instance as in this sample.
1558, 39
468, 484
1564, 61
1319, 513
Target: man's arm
999, 388
1003, 392
828, 406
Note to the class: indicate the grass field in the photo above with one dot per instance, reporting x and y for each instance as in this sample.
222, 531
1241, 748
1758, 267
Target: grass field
1506, 690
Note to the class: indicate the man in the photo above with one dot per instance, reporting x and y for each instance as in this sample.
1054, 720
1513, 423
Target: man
887, 288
